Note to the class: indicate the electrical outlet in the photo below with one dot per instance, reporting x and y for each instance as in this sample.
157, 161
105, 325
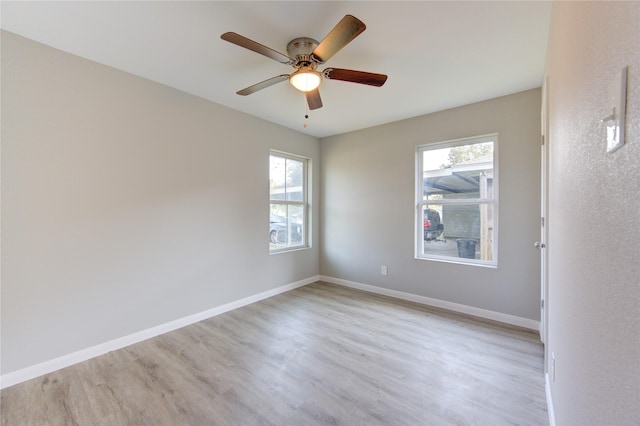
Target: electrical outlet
384, 270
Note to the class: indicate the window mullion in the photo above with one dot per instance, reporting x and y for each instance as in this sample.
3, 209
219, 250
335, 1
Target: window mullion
459, 201
289, 203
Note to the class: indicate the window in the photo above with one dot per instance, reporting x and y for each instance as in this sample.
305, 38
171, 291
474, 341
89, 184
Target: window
288, 202
457, 201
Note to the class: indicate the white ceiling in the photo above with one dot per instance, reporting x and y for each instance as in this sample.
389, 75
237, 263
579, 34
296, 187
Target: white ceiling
437, 55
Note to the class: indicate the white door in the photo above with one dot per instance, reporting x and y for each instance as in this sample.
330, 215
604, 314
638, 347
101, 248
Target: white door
541, 245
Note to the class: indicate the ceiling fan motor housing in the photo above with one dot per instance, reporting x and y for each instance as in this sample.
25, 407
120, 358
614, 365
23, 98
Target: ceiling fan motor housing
300, 48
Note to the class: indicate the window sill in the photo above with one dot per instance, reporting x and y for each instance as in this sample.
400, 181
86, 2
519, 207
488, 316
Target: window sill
460, 261
289, 250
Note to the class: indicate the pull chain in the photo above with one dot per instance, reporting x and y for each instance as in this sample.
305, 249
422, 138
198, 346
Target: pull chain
306, 112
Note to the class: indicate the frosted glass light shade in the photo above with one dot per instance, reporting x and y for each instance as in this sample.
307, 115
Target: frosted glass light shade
305, 80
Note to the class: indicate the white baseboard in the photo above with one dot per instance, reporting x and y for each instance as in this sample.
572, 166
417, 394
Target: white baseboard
46, 367
547, 388
443, 304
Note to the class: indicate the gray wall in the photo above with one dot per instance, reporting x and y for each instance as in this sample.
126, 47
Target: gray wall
368, 205
594, 241
127, 204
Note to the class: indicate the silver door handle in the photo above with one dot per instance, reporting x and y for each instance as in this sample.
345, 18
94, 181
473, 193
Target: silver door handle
539, 245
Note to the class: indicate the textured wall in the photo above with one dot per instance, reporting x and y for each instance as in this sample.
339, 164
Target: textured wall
368, 206
126, 204
594, 241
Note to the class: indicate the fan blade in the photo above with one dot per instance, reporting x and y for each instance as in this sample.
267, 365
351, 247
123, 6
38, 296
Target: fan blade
352, 76
242, 41
313, 99
346, 30
263, 85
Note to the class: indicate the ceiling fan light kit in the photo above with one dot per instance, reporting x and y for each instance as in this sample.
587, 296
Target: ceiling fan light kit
305, 79
305, 54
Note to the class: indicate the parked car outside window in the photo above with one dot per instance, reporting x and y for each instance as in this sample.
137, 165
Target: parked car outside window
278, 230
433, 227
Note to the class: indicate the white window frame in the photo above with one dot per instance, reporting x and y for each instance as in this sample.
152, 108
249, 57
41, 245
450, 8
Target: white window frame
304, 203
421, 203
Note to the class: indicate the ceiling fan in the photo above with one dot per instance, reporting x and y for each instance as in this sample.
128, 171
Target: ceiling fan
305, 54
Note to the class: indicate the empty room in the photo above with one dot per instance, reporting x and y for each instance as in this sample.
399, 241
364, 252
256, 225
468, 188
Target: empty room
319, 212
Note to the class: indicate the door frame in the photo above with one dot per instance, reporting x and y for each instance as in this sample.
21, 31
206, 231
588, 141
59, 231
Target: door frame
544, 214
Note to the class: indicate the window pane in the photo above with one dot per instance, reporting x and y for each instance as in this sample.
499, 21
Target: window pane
277, 177
286, 225
295, 225
458, 230
457, 171
294, 179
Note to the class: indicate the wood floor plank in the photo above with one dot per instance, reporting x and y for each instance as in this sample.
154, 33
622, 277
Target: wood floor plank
318, 355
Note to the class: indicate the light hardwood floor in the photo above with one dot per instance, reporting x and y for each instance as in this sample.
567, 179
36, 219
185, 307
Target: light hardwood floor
318, 355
